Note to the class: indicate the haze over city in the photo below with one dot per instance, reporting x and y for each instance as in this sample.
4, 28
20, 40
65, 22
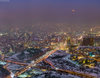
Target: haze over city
25, 14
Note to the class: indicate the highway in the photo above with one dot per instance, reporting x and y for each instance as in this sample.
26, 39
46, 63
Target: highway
45, 56
81, 74
36, 62
42, 58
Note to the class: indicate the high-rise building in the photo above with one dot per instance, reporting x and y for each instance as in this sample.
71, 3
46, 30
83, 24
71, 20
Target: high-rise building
91, 40
88, 41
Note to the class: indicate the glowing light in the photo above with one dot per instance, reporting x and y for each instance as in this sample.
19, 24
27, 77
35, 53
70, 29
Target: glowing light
56, 68
73, 10
81, 37
12, 75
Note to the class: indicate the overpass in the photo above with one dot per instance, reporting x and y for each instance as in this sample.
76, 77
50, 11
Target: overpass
45, 56
33, 63
42, 58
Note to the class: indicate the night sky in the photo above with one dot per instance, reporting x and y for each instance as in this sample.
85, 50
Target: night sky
27, 12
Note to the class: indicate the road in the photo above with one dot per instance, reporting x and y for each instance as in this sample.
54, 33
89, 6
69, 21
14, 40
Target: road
36, 62
45, 56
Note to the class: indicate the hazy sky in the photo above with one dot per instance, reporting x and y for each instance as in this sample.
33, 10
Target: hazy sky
31, 11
